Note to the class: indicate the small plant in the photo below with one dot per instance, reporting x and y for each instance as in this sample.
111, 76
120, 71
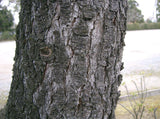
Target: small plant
152, 109
137, 107
137, 100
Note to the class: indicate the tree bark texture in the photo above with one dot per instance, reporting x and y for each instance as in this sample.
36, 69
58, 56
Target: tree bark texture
68, 59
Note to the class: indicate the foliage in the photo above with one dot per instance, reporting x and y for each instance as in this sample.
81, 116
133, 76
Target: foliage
137, 106
15, 1
134, 14
6, 19
138, 102
143, 26
158, 11
148, 21
16, 4
152, 109
7, 35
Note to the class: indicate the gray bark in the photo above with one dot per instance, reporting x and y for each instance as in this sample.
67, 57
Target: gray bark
68, 59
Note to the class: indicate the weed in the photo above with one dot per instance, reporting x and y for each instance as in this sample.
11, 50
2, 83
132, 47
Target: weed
138, 108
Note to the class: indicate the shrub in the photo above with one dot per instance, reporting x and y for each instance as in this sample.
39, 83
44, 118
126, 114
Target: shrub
7, 35
143, 26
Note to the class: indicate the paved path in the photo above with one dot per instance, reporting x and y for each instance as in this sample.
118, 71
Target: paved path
142, 59
142, 52
7, 50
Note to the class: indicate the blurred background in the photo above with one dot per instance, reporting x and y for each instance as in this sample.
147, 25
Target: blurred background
141, 55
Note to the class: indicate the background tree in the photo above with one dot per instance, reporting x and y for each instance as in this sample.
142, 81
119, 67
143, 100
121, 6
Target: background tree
134, 14
149, 20
6, 19
68, 59
158, 11
15, 4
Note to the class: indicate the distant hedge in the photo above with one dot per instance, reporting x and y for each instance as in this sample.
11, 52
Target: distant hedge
7, 35
143, 26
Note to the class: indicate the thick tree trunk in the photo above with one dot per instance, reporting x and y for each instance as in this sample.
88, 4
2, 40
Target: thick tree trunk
68, 59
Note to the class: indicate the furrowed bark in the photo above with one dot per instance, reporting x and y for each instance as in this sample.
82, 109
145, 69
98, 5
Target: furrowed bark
68, 59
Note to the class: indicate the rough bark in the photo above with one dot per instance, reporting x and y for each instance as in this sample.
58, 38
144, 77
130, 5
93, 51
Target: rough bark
68, 59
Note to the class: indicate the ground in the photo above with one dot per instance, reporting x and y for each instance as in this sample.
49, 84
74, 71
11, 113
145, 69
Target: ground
141, 61
150, 104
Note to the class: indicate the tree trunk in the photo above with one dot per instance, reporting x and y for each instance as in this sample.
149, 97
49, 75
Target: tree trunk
68, 59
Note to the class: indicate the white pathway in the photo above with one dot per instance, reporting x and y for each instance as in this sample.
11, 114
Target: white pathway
7, 50
142, 59
142, 52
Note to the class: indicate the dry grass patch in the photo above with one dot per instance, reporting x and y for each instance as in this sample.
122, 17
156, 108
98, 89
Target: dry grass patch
151, 103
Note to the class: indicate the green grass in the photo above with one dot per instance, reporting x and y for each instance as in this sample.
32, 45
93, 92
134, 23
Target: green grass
150, 104
7, 36
143, 26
